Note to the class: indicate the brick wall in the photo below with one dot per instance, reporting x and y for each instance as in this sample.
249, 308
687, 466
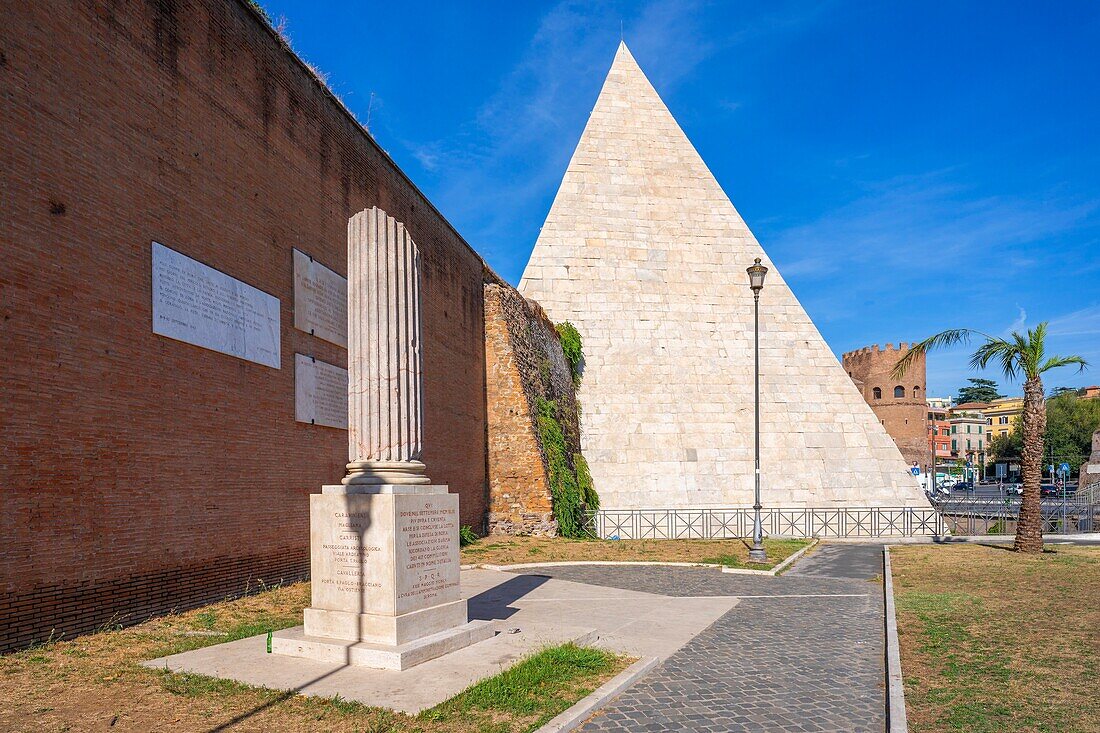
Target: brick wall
141, 474
524, 361
905, 418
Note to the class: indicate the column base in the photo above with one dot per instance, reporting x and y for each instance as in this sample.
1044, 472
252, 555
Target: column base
382, 629
385, 472
295, 643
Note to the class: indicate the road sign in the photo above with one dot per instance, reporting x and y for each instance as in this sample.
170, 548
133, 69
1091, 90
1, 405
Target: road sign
1064, 468
915, 470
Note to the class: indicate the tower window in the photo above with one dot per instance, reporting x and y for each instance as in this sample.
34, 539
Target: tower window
899, 391
878, 393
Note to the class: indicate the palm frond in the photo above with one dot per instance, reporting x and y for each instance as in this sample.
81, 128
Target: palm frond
1060, 361
942, 339
1000, 350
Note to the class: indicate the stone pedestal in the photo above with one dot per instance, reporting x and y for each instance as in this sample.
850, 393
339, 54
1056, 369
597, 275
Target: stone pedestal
385, 567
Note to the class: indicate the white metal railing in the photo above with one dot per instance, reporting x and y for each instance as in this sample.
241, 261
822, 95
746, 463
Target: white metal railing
1090, 494
953, 515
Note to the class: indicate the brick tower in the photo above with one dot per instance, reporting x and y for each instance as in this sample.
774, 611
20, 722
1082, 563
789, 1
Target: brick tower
899, 403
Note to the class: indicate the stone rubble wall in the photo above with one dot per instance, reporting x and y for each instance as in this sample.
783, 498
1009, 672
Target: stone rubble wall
524, 361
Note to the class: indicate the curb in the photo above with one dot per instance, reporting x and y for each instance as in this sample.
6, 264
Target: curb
949, 539
565, 563
895, 689
575, 716
778, 568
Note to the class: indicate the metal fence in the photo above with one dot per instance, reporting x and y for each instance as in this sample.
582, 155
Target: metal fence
1090, 493
958, 516
979, 516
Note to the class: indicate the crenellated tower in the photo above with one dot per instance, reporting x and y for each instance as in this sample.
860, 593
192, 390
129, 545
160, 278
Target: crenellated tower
899, 403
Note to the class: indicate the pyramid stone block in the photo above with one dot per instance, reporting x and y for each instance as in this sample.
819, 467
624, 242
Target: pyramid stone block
643, 252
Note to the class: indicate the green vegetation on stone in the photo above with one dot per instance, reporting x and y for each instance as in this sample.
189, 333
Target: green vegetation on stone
584, 482
466, 536
564, 491
571, 346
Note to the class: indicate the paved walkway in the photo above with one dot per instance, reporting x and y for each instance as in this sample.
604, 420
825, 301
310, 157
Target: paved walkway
801, 652
528, 612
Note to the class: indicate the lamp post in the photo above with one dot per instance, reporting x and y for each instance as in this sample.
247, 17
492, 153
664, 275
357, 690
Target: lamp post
756, 283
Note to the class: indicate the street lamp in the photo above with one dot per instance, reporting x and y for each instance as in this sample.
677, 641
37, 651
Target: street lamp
756, 283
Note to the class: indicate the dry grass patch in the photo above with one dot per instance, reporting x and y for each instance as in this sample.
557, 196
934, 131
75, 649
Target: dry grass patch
992, 640
502, 550
95, 683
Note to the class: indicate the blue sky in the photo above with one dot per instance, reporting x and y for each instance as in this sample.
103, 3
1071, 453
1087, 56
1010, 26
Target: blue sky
909, 168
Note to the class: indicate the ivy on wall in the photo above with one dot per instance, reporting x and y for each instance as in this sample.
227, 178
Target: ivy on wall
584, 483
571, 489
571, 346
564, 491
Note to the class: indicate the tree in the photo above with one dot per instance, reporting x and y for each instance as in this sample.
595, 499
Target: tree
980, 390
1070, 425
1020, 355
1004, 447
1068, 437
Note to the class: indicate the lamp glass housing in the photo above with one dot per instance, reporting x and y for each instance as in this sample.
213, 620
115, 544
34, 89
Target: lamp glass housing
756, 276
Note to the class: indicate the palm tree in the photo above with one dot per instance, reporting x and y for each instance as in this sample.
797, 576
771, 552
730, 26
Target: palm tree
1019, 355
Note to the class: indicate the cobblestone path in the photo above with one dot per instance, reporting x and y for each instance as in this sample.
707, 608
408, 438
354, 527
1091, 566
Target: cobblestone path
801, 652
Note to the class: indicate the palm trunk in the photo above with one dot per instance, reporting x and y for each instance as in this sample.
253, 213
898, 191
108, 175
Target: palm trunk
1029, 529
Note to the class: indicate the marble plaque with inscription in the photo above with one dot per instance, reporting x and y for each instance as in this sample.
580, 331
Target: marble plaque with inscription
320, 300
426, 539
320, 393
199, 305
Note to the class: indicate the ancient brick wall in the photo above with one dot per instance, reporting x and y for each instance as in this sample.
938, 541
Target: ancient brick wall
142, 474
524, 362
905, 418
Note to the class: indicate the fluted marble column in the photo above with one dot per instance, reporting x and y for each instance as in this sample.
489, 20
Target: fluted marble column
385, 373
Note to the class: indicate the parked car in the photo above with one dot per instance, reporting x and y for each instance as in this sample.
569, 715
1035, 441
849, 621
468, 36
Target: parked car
963, 486
1014, 488
1049, 490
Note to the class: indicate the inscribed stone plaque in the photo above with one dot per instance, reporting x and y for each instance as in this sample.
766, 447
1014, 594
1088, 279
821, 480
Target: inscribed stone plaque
320, 300
351, 551
320, 393
205, 307
426, 542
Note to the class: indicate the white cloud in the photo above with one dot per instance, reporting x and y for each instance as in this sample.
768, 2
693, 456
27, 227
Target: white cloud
1080, 323
1020, 323
498, 174
925, 224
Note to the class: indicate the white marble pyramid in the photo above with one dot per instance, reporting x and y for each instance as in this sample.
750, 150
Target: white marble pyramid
644, 253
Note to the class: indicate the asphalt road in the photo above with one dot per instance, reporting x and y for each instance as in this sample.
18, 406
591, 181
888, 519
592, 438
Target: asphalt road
993, 491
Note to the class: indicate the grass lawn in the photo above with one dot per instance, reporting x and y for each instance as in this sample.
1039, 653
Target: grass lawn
503, 550
94, 683
996, 641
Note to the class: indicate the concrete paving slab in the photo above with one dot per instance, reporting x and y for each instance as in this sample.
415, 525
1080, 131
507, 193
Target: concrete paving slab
528, 612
